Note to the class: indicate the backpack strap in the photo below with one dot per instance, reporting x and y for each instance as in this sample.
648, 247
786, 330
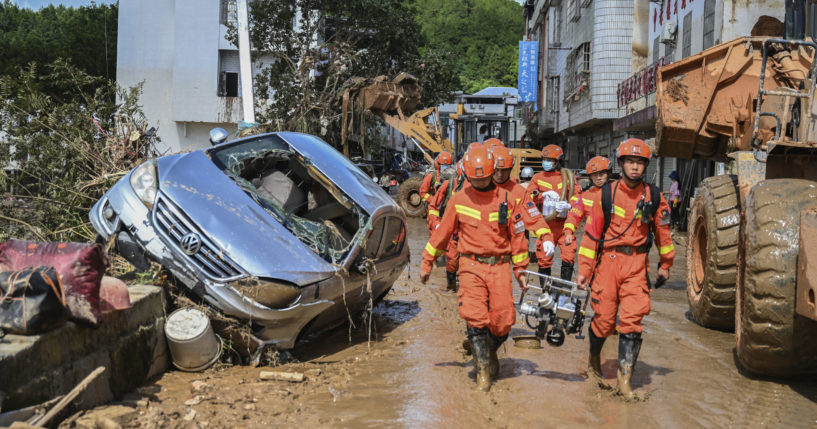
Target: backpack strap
607, 208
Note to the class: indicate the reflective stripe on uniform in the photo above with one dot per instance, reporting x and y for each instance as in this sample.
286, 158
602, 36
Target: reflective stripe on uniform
570, 226
545, 184
468, 211
425, 197
495, 216
663, 250
588, 253
539, 232
518, 200
434, 212
586, 202
619, 211
519, 258
432, 251
559, 186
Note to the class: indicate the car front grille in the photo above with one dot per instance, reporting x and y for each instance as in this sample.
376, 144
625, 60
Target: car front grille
174, 225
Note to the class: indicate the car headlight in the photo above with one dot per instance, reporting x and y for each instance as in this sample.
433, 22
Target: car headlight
270, 293
144, 182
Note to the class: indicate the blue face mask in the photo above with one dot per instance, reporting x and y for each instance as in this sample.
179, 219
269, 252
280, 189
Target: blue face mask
548, 165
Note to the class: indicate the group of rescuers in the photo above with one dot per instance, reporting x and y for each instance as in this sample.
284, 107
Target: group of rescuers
478, 217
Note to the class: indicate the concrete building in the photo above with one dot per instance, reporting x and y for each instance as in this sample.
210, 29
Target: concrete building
597, 64
189, 71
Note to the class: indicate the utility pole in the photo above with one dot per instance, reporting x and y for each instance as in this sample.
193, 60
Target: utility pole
245, 66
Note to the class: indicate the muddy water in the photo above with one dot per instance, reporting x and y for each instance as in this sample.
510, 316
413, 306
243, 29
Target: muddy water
414, 374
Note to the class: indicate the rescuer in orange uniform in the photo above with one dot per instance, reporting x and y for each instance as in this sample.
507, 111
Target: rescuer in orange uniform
432, 180
599, 170
489, 242
618, 268
530, 215
544, 184
436, 209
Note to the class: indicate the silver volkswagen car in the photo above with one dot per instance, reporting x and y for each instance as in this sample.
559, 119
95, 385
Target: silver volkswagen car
274, 229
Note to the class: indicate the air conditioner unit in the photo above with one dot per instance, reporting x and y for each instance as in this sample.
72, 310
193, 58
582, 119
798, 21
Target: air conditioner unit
668, 32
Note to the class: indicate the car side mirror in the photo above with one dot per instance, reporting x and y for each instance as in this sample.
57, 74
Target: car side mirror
218, 135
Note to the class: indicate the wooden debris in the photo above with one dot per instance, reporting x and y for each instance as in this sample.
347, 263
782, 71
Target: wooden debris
295, 377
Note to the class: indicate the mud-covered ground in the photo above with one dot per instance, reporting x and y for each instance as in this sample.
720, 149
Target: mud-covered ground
414, 374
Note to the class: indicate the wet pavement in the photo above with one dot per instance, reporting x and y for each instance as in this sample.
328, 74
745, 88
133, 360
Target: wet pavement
414, 374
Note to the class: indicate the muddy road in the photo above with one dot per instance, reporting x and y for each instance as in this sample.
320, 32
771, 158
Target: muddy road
414, 374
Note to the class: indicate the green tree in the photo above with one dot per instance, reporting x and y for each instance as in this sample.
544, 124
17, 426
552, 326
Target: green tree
483, 34
86, 36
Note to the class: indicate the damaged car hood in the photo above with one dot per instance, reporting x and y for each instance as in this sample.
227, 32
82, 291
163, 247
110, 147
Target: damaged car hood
235, 222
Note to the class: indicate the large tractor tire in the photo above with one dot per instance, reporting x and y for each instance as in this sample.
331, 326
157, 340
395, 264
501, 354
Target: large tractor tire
712, 252
408, 197
771, 338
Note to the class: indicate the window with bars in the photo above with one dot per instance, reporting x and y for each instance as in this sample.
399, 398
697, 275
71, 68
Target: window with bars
709, 23
578, 69
553, 102
556, 22
574, 10
686, 48
586, 3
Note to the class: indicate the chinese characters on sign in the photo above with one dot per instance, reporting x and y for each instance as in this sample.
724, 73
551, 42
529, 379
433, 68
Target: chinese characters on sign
638, 85
528, 61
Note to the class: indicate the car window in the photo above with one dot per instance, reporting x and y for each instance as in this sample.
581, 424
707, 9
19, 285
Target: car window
373, 240
394, 237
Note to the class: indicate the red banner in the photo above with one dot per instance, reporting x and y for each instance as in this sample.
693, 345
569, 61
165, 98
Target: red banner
638, 85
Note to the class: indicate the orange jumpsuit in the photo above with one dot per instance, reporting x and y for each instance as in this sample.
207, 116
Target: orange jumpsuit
451, 254
431, 182
545, 181
486, 289
582, 207
620, 281
530, 215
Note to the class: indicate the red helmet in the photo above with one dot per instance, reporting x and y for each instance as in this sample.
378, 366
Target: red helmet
493, 141
444, 158
553, 151
633, 147
598, 163
478, 162
503, 156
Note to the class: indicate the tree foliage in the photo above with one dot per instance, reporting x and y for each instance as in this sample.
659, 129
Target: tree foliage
316, 53
483, 34
86, 36
66, 142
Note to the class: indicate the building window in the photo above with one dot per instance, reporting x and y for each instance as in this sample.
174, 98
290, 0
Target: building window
686, 49
656, 53
228, 69
709, 23
669, 51
578, 70
586, 3
553, 102
229, 12
556, 23
574, 10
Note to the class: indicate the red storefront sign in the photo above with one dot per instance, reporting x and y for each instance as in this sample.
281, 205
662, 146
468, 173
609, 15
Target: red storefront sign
638, 85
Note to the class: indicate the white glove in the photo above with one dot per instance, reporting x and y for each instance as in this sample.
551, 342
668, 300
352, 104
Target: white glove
562, 207
548, 247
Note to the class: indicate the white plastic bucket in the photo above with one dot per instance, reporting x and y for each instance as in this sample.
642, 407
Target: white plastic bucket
193, 344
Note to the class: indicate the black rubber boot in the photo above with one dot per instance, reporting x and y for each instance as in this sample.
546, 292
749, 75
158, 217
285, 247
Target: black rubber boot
594, 362
567, 271
481, 350
629, 345
451, 282
494, 343
545, 271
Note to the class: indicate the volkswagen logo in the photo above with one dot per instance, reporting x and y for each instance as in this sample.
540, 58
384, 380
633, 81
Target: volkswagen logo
191, 243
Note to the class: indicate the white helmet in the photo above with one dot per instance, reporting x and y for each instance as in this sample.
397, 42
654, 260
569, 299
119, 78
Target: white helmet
527, 173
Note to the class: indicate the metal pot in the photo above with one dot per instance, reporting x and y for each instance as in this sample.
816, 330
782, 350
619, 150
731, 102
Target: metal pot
193, 344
